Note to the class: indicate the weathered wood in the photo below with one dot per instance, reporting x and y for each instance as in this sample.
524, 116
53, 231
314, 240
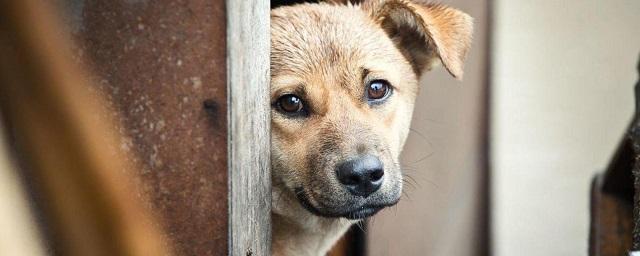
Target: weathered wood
248, 47
65, 142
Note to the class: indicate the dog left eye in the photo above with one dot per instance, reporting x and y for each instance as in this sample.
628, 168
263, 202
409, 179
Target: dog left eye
378, 90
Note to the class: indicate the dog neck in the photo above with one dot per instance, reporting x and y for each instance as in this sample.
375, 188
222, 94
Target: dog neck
299, 232
293, 239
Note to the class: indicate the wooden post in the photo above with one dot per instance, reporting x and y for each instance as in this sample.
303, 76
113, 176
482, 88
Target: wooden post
248, 47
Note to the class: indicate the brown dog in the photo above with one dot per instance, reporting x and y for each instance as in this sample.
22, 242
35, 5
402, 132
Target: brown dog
344, 79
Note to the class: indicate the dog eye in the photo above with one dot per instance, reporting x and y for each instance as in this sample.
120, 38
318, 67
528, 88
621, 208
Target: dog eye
378, 89
290, 103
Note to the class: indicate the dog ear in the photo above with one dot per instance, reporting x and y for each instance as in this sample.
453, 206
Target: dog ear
425, 32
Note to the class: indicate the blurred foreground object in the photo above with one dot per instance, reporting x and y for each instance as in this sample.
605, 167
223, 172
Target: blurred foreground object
65, 142
19, 233
176, 124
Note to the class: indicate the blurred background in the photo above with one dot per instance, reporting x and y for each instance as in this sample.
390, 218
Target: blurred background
500, 163
562, 98
560, 78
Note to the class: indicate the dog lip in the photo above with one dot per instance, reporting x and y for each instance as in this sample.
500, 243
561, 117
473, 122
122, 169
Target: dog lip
304, 201
357, 214
362, 213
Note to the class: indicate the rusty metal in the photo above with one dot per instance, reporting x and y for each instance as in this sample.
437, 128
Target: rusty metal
64, 142
162, 66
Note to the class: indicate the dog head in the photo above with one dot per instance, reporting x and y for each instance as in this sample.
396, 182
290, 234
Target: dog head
344, 79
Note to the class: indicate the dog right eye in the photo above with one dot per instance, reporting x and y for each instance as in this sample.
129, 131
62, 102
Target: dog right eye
290, 104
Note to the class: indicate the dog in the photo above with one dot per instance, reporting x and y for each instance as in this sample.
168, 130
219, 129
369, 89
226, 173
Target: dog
344, 78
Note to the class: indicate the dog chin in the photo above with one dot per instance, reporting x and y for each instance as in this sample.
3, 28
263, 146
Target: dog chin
352, 213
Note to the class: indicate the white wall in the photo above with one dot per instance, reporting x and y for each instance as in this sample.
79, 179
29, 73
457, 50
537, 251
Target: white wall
562, 96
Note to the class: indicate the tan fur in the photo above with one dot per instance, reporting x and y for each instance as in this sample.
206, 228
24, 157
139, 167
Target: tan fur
326, 53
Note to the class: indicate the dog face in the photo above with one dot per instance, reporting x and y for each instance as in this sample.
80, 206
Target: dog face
344, 81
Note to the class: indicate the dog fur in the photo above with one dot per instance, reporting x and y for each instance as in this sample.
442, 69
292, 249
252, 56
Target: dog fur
326, 54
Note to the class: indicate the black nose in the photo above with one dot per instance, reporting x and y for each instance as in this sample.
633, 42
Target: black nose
361, 176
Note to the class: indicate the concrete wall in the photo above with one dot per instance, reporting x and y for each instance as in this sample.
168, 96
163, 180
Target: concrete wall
562, 97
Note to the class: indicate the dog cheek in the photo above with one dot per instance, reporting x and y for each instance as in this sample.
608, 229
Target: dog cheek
402, 126
392, 187
396, 190
319, 170
282, 171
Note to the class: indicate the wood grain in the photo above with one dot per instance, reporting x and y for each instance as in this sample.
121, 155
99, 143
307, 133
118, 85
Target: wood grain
248, 46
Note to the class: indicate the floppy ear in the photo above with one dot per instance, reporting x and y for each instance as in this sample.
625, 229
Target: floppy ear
425, 32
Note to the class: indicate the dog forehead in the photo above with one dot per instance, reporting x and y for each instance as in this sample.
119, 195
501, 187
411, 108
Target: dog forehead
323, 38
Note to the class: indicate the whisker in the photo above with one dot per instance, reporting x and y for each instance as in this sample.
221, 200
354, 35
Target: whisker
421, 136
409, 183
407, 196
431, 183
423, 158
411, 180
438, 122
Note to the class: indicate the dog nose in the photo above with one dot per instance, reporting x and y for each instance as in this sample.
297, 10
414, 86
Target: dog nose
361, 176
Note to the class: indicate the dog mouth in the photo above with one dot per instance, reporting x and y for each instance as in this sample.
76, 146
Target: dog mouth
362, 212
